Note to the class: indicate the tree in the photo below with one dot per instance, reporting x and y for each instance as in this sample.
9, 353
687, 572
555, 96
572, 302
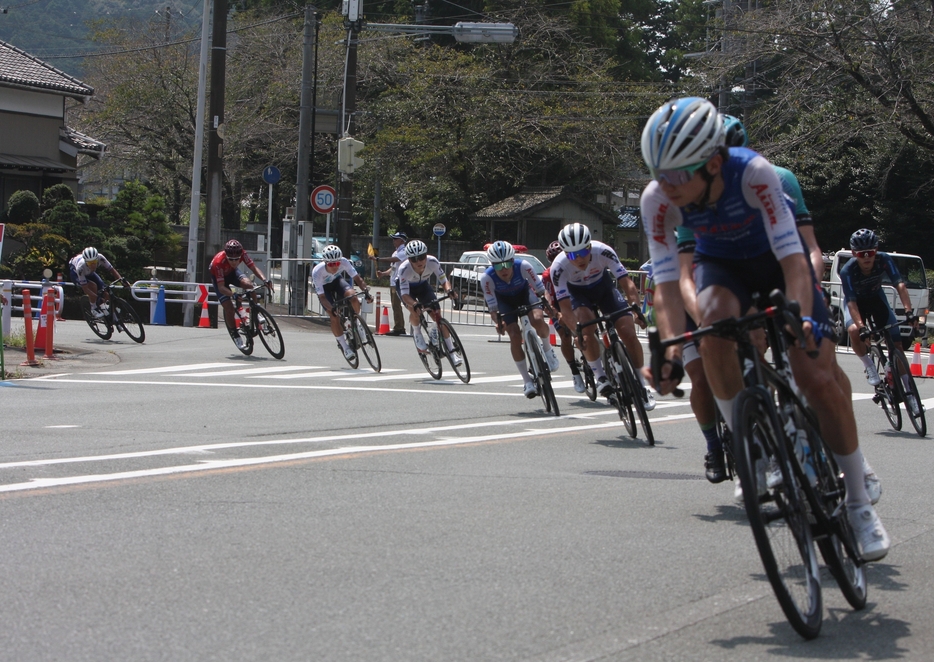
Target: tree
22, 207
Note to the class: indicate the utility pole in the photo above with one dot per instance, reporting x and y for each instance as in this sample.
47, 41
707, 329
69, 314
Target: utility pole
215, 175
346, 127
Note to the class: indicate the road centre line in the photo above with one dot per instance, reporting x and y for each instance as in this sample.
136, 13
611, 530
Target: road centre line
213, 465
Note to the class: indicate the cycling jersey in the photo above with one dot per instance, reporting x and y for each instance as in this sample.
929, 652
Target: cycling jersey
80, 271
792, 189
858, 286
602, 257
407, 277
320, 276
221, 267
752, 217
523, 278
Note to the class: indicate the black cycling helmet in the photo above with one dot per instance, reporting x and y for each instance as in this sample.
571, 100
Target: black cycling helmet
553, 251
233, 248
864, 240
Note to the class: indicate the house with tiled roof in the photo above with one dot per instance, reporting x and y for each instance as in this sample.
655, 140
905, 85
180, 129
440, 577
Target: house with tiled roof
535, 215
37, 148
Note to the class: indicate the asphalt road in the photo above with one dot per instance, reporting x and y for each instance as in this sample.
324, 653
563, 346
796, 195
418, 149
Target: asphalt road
179, 501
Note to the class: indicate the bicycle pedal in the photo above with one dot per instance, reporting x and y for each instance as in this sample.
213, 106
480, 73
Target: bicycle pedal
877, 398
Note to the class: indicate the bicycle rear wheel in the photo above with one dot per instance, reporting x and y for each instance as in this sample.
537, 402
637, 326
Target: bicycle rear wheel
127, 319
268, 332
621, 399
542, 375
899, 370
635, 388
463, 370
885, 394
776, 515
590, 384
99, 325
366, 343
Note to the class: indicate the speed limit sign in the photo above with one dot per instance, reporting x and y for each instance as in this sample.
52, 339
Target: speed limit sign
323, 199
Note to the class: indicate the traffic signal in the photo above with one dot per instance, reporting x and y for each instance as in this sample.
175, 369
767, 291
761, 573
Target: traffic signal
347, 150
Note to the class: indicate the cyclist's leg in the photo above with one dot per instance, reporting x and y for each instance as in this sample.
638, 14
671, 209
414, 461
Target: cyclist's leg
591, 348
93, 288
704, 408
227, 304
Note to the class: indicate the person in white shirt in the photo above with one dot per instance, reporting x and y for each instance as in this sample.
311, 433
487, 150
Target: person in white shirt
398, 257
331, 286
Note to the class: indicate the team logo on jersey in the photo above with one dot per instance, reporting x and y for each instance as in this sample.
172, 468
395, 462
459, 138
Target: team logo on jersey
658, 225
765, 197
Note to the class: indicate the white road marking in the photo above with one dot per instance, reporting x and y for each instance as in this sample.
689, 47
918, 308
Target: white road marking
237, 370
173, 368
60, 426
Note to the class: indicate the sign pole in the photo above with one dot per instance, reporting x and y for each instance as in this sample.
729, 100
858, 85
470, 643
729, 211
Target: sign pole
439, 231
269, 237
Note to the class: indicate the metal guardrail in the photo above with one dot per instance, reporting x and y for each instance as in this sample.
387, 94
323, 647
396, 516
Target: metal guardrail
12, 291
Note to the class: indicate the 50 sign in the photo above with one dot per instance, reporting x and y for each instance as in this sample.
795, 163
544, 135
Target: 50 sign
323, 199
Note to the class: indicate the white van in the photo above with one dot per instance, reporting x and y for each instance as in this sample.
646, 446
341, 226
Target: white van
909, 266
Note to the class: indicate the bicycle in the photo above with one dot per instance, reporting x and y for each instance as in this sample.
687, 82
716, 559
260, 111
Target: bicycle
118, 314
793, 491
359, 337
590, 382
256, 321
628, 394
891, 390
436, 332
535, 357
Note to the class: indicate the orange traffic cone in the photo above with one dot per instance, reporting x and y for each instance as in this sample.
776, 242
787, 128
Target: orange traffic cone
384, 322
205, 321
916, 361
929, 369
552, 334
43, 320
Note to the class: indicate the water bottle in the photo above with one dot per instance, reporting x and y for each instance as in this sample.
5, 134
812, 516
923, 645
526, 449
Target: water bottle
433, 334
803, 451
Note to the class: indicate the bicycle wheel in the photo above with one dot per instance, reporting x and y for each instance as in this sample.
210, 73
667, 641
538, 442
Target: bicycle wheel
635, 388
99, 325
431, 357
351, 338
463, 370
366, 343
590, 384
620, 398
542, 375
268, 331
885, 395
127, 319
899, 370
776, 515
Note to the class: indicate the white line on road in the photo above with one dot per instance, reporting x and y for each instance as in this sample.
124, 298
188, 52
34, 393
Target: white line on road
172, 368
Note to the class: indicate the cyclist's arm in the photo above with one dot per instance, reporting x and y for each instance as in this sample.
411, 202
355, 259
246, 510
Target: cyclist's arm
814, 253
902, 290
630, 291
358, 280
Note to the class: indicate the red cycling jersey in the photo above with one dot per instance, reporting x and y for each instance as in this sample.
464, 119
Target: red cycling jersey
220, 267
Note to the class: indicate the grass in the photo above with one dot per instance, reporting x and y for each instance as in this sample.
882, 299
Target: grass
17, 338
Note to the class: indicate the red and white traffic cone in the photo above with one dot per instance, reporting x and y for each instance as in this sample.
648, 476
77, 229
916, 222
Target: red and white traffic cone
384, 322
552, 334
205, 321
929, 369
916, 361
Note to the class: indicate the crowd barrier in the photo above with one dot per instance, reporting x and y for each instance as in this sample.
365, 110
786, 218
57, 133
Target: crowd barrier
11, 299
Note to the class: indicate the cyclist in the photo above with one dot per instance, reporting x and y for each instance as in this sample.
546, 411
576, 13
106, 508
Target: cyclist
508, 283
332, 279
225, 274
861, 278
746, 242
561, 328
82, 269
414, 290
588, 275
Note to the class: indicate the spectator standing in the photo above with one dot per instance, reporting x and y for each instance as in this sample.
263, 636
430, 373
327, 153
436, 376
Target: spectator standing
398, 257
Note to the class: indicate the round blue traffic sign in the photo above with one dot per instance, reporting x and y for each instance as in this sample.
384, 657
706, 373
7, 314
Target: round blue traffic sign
271, 175
439, 229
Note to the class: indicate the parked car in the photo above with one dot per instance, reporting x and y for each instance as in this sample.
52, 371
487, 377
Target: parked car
912, 270
465, 276
321, 242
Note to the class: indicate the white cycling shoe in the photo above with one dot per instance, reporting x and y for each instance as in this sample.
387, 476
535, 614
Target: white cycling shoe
552, 359
579, 384
872, 376
530, 390
871, 539
349, 354
456, 359
649, 401
420, 343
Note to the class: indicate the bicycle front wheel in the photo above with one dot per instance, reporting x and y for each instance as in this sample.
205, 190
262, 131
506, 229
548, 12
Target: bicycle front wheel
351, 339
127, 319
635, 388
431, 357
885, 393
266, 328
590, 384
366, 343
462, 369
776, 514
542, 375
915, 410
621, 398
99, 325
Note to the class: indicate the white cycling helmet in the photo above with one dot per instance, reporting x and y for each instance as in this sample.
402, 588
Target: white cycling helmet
682, 133
332, 253
90, 254
500, 251
574, 237
416, 248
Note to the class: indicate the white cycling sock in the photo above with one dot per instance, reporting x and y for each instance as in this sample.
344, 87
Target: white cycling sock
342, 341
867, 360
726, 410
597, 368
449, 344
523, 368
853, 477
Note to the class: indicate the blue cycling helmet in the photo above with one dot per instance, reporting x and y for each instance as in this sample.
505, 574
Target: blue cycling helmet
864, 240
682, 133
735, 132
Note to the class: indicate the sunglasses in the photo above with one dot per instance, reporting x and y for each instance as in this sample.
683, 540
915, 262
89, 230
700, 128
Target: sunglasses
871, 253
679, 176
503, 265
420, 258
334, 264
584, 252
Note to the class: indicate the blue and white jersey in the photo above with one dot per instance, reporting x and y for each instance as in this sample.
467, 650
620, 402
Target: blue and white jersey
857, 285
523, 278
751, 217
82, 268
407, 277
320, 275
602, 257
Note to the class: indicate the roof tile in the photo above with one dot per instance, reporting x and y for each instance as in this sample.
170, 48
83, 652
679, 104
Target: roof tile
22, 69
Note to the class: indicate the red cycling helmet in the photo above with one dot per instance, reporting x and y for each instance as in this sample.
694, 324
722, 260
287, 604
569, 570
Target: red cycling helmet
233, 248
554, 249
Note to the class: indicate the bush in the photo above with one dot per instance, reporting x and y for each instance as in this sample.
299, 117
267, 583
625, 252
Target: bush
22, 207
